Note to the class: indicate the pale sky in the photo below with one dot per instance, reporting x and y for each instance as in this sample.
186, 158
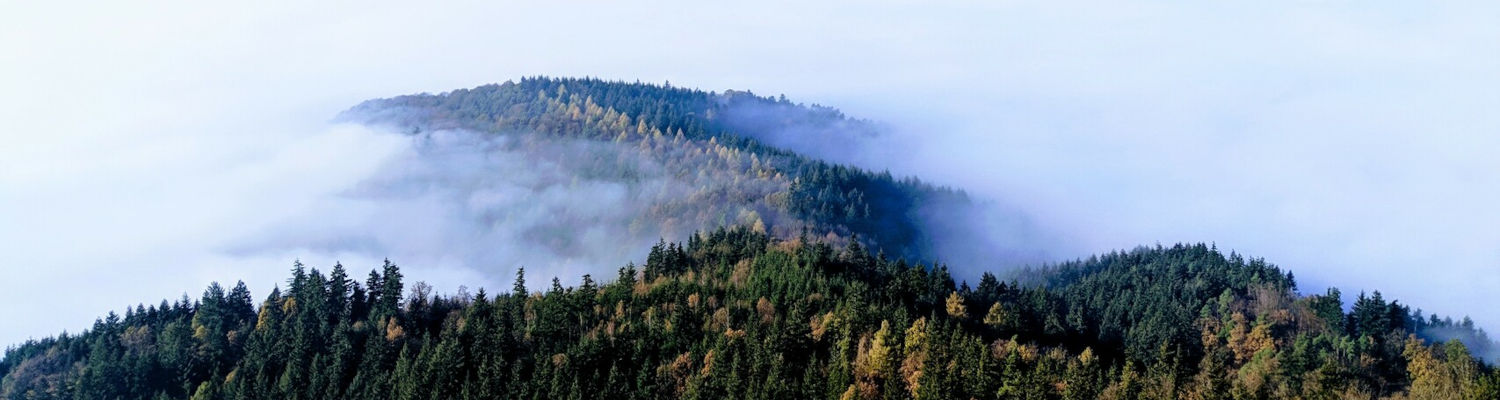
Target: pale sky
1349, 141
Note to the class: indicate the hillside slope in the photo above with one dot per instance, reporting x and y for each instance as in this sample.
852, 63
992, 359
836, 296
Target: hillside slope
711, 148
738, 314
792, 278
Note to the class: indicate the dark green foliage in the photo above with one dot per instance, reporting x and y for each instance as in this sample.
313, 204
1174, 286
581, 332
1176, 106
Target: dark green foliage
735, 313
782, 303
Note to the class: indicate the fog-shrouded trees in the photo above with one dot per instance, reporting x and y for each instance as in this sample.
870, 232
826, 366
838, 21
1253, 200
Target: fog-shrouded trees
791, 278
734, 313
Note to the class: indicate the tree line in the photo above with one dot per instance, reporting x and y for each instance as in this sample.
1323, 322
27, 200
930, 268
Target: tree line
735, 313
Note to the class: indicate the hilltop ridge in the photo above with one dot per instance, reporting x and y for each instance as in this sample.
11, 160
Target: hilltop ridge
786, 277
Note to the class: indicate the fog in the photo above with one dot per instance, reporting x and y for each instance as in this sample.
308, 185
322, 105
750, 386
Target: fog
149, 150
970, 236
479, 205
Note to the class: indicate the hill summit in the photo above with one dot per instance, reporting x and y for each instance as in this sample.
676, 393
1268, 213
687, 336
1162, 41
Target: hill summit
793, 278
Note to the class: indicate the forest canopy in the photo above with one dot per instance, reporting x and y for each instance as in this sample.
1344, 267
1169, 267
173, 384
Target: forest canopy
735, 313
792, 278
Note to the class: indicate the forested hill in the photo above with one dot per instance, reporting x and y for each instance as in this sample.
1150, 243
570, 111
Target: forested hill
739, 314
714, 144
762, 292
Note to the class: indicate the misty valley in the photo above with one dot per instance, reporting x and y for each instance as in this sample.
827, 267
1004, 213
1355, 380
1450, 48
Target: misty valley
714, 257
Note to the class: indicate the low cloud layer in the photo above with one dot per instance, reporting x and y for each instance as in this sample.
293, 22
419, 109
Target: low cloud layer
971, 236
489, 203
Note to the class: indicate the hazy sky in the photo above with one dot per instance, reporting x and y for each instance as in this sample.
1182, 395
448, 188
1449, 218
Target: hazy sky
1350, 141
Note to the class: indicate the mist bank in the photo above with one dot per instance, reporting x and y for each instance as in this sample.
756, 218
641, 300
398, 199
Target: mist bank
971, 233
491, 203
576, 187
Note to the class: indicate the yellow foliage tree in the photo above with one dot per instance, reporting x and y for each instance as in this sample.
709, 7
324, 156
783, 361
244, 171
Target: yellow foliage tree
956, 307
1431, 377
916, 355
